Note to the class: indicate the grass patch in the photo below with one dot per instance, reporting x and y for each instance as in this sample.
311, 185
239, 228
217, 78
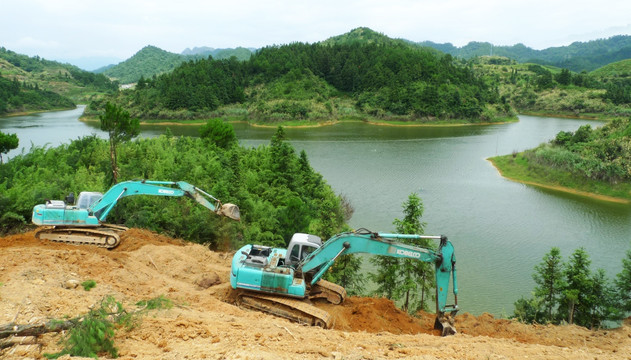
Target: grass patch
159, 302
88, 285
517, 167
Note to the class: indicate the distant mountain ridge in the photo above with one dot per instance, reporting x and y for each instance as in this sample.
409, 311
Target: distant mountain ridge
240, 53
578, 56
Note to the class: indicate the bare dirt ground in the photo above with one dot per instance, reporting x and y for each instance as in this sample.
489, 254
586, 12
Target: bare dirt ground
204, 324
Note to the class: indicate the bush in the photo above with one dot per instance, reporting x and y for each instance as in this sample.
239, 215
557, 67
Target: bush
88, 285
94, 334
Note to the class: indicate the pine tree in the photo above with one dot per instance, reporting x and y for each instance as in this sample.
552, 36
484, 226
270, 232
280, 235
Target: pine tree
579, 283
219, 133
623, 284
120, 127
549, 278
417, 276
282, 156
346, 272
407, 279
600, 298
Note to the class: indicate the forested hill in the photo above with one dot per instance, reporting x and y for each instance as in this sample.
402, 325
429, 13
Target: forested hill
578, 56
364, 35
147, 62
150, 61
318, 81
33, 84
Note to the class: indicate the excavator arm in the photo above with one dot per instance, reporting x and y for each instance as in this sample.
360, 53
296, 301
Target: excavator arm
102, 207
384, 244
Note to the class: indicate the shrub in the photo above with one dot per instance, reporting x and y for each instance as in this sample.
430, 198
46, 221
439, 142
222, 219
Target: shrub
88, 284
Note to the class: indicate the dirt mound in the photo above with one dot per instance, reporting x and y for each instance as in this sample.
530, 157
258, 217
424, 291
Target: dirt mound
134, 239
205, 324
25, 240
567, 335
375, 315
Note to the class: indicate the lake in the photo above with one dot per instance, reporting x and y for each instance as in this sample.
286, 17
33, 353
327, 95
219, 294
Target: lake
500, 229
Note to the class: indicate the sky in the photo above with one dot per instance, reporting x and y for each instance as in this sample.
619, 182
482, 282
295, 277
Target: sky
110, 31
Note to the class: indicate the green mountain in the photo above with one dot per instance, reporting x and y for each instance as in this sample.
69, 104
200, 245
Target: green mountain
362, 35
578, 56
150, 61
147, 62
35, 84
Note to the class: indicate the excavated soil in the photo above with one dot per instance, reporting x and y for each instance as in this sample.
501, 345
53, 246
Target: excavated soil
205, 324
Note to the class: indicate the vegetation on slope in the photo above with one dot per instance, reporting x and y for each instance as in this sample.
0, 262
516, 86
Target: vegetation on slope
570, 292
46, 85
151, 61
577, 57
618, 69
595, 161
536, 89
320, 82
147, 62
277, 190
22, 97
364, 35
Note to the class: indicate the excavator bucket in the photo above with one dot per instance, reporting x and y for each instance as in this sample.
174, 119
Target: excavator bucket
445, 323
231, 211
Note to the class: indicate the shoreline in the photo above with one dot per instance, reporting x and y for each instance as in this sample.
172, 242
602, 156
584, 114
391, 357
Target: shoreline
25, 113
562, 188
306, 126
381, 123
568, 116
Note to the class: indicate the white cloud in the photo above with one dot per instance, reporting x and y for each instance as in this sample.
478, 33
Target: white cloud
74, 28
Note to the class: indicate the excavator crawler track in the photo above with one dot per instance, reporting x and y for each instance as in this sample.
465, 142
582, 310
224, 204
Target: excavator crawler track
333, 293
293, 309
106, 236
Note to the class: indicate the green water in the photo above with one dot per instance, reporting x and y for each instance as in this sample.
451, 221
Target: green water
500, 229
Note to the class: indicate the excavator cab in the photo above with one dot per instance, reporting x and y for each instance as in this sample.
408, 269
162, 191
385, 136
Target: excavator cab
87, 198
300, 246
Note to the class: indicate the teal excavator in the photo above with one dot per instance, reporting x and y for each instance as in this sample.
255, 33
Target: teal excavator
83, 222
283, 282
